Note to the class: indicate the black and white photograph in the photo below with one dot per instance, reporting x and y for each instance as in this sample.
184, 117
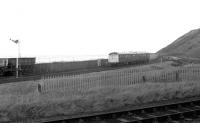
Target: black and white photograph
99, 61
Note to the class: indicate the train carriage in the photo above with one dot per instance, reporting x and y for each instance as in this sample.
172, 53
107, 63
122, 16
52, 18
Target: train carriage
115, 58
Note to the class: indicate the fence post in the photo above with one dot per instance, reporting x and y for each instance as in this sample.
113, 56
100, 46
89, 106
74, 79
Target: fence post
171, 76
143, 78
198, 75
177, 76
81, 85
126, 79
99, 82
133, 77
157, 76
183, 74
138, 78
186, 75
114, 82
119, 79
192, 76
160, 76
47, 85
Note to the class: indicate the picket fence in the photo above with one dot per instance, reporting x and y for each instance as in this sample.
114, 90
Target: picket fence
78, 84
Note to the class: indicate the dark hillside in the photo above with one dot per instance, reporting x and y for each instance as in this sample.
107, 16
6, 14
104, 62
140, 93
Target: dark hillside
187, 45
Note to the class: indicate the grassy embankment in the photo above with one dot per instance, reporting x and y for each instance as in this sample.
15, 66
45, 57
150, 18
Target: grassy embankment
21, 100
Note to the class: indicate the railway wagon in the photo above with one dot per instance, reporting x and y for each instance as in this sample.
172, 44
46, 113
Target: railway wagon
56, 67
116, 58
8, 66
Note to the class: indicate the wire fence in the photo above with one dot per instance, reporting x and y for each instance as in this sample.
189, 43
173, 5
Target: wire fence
79, 84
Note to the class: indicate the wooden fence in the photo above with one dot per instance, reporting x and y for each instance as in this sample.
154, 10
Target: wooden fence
117, 78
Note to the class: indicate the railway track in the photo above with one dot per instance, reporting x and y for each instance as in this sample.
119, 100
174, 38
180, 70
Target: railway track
174, 111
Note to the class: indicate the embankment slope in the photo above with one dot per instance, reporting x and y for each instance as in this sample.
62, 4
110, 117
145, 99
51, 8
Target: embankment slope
187, 45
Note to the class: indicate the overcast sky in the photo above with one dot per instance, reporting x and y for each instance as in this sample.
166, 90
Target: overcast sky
93, 27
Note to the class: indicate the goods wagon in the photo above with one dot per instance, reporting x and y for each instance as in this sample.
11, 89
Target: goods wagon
102, 62
56, 67
115, 58
8, 66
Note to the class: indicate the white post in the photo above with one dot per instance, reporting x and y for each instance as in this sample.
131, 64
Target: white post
18, 56
17, 61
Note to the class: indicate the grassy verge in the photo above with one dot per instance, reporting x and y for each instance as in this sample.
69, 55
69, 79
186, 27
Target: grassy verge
21, 100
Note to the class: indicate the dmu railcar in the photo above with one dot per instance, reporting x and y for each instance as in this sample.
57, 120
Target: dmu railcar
116, 58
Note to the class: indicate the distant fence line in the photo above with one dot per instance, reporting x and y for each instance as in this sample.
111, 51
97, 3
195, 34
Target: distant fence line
117, 78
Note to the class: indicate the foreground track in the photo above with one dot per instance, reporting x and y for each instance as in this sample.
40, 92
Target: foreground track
173, 111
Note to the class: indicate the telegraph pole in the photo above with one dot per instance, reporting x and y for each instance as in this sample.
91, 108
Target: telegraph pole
18, 56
